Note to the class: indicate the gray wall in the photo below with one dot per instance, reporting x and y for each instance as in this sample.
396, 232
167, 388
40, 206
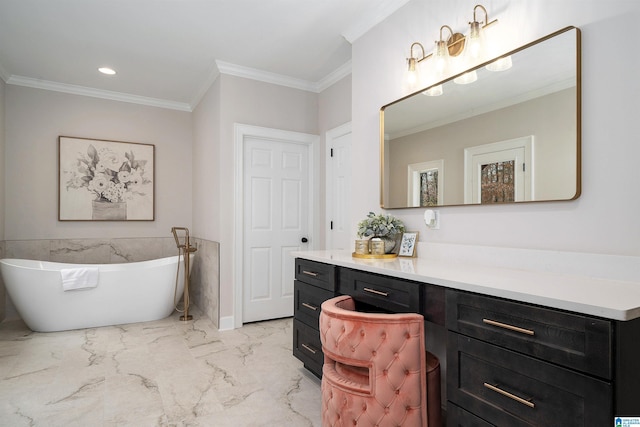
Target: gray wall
236, 100
34, 120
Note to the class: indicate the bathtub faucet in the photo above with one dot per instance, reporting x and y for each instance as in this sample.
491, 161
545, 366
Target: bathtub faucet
184, 248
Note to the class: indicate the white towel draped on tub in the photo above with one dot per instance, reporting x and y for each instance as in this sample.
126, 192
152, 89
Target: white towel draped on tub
79, 278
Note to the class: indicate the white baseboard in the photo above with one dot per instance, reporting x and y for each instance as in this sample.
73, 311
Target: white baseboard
226, 323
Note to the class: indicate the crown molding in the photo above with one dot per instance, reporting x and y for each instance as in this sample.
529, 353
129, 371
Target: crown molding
264, 76
282, 80
373, 17
221, 67
97, 93
341, 72
4, 75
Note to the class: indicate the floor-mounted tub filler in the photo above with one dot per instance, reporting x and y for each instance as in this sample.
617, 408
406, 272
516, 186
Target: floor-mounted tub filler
184, 249
52, 296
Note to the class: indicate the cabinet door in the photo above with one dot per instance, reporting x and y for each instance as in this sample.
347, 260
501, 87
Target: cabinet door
510, 389
458, 417
316, 274
307, 347
387, 293
576, 341
308, 302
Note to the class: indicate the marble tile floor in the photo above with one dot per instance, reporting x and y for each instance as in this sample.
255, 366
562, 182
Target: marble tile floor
162, 373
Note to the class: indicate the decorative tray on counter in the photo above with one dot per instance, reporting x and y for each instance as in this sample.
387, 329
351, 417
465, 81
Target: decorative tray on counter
373, 256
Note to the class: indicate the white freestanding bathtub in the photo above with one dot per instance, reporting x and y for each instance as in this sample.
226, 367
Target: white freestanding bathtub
125, 293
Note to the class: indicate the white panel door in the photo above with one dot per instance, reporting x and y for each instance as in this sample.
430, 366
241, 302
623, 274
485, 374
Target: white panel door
276, 215
339, 233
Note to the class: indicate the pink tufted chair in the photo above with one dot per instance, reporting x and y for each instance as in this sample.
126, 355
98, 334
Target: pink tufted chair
374, 371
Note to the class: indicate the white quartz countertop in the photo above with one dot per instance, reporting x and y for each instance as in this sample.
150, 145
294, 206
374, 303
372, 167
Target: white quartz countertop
611, 299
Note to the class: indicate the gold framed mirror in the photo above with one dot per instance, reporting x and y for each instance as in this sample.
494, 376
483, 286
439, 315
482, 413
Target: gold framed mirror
510, 136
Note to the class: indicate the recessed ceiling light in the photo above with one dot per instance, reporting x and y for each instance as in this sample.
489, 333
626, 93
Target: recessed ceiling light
107, 70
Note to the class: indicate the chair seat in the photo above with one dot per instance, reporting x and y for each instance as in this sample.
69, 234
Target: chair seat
375, 368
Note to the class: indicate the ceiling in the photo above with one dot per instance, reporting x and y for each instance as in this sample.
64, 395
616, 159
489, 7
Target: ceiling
168, 52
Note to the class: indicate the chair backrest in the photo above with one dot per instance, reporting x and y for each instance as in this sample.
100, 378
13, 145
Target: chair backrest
374, 371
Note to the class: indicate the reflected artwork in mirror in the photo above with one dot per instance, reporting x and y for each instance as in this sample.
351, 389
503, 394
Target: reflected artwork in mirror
510, 136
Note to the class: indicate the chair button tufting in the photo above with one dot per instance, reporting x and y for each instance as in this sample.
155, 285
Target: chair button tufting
373, 353
384, 372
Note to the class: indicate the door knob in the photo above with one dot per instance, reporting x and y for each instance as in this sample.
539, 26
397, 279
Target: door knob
305, 240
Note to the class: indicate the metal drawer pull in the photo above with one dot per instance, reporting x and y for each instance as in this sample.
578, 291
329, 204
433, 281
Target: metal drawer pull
511, 396
373, 291
309, 306
309, 273
309, 349
510, 327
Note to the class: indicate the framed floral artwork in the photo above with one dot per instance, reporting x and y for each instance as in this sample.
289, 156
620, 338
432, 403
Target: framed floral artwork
408, 244
100, 180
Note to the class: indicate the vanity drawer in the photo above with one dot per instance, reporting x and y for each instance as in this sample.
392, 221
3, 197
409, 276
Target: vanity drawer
458, 417
307, 347
572, 340
316, 273
308, 301
507, 388
389, 294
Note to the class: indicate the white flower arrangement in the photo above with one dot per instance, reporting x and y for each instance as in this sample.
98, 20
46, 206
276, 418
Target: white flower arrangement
380, 226
110, 176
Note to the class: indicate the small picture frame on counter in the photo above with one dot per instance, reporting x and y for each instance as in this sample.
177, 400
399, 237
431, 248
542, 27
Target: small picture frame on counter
408, 244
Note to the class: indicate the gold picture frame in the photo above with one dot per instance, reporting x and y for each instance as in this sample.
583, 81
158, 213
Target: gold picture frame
408, 244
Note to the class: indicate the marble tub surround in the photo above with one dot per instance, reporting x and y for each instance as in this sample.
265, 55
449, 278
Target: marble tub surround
205, 279
204, 282
162, 373
3, 292
98, 251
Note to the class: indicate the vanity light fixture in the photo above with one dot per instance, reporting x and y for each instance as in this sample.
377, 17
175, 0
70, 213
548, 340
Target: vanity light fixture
472, 45
475, 44
106, 70
412, 75
444, 49
433, 91
466, 78
500, 64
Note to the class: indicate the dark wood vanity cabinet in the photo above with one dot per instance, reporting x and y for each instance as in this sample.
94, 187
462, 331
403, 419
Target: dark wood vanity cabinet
509, 363
517, 364
314, 283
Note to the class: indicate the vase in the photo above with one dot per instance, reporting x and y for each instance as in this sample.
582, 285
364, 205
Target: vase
389, 243
109, 211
